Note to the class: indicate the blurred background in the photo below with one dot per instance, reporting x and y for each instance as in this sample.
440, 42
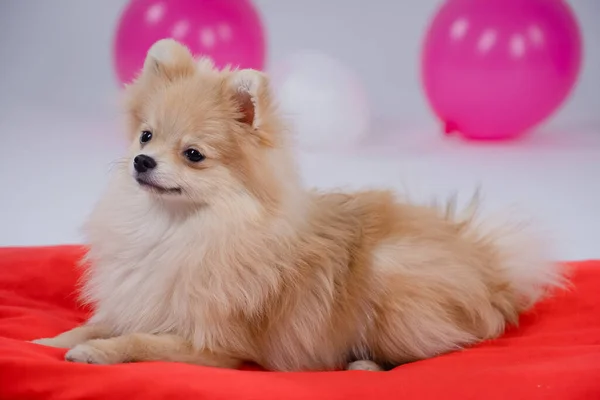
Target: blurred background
61, 125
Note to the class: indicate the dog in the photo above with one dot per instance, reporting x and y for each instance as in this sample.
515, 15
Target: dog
207, 249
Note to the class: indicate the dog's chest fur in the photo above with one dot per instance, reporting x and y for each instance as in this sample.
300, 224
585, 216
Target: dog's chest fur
155, 272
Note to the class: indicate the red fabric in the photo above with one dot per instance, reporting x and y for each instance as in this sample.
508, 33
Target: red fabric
555, 354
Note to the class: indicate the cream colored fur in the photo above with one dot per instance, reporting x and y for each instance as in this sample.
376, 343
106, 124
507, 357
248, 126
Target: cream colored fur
246, 265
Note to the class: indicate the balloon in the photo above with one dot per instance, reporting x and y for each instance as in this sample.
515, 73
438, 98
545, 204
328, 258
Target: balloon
229, 31
494, 69
324, 100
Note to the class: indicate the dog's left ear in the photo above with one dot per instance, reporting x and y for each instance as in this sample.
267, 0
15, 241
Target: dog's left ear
168, 59
250, 92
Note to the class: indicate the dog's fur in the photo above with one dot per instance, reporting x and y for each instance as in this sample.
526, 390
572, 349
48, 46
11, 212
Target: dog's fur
244, 264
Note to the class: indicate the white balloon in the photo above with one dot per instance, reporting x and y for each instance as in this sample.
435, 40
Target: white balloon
322, 99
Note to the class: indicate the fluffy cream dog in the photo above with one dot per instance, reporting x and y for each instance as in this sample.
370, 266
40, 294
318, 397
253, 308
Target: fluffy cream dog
206, 248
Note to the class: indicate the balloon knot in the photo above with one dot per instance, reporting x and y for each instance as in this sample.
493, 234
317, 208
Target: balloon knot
450, 127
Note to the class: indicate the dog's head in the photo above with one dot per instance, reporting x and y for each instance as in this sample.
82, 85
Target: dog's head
202, 135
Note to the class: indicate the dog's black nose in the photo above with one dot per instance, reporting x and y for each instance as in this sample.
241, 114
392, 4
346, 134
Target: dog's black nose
143, 163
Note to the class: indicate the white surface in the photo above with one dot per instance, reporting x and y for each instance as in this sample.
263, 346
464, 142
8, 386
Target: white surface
60, 125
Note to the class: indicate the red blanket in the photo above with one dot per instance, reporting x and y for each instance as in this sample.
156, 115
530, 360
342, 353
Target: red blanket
554, 354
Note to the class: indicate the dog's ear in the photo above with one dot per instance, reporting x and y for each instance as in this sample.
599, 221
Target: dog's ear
168, 59
250, 92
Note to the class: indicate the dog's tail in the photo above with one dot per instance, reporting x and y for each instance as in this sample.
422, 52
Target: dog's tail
530, 273
519, 251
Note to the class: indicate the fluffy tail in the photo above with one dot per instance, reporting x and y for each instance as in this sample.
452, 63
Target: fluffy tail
531, 275
520, 252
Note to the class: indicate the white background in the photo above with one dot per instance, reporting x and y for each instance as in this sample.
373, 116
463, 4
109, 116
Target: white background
60, 123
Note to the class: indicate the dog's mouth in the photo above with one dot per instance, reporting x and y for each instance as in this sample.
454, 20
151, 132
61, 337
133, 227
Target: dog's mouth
157, 188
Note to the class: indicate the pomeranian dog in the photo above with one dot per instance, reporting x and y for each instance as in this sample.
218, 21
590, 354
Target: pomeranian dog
207, 249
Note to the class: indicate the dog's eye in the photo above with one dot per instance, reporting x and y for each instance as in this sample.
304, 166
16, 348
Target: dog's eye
145, 137
193, 155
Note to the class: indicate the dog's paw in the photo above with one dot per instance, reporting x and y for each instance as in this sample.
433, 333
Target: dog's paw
88, 354
363, 365
51, 342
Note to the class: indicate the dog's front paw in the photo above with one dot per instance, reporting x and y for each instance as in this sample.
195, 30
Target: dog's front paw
87, 353
51, 342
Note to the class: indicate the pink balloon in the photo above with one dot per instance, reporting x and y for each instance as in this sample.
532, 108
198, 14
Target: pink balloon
492, 69
229, 31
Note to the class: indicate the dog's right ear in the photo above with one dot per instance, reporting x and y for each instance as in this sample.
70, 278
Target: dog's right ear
168, 59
